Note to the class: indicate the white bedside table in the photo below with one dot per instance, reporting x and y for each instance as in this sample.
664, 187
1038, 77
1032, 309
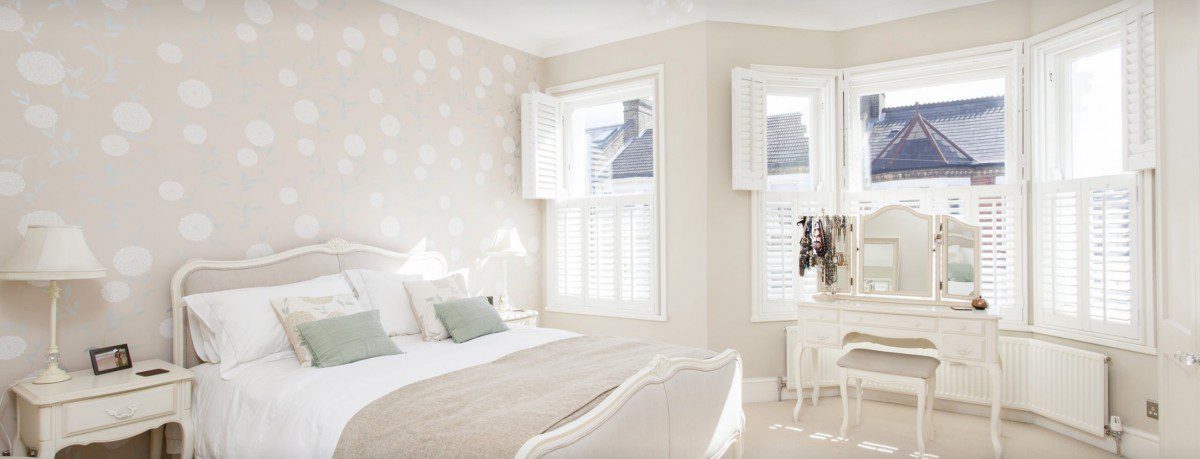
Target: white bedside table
528, 317
91, 408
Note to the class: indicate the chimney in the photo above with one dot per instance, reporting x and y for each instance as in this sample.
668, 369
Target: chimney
638, 117
871, 108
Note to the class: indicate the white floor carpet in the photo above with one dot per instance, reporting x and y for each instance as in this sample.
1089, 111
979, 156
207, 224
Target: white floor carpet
890, 431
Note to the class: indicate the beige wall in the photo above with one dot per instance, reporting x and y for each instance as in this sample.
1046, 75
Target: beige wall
718, 47
681, 52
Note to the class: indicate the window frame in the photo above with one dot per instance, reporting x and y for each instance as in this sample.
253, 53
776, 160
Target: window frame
1045, 107
823, 161
602, 88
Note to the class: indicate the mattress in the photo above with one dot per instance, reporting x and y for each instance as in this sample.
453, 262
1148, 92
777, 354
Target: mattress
280, 409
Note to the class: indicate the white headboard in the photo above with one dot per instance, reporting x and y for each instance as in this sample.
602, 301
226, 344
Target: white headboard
299, 264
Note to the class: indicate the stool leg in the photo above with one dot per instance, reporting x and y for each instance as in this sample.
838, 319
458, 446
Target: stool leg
845, 402
858, 382
921, 419
929, 407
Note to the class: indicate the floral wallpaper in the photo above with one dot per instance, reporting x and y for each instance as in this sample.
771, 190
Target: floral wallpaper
229, 129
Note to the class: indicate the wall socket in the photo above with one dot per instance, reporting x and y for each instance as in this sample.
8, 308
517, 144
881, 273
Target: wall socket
1152, 409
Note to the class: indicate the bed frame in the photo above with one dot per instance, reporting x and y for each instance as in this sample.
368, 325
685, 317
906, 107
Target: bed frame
673, 407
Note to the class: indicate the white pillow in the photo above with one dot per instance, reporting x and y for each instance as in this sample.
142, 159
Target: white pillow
426, 293
243, 325
385, 291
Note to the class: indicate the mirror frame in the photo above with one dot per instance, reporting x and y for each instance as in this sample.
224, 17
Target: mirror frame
860, 238
943, 255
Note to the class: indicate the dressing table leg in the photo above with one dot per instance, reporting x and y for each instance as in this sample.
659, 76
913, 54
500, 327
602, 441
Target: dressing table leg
798, 381
816, 391
997, 388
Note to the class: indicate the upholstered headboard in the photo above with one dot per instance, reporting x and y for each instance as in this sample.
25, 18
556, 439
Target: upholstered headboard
299, 264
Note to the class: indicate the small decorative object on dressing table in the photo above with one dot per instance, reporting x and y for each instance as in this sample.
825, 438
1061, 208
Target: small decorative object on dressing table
52, 253
910, 274
93, 408
506, 244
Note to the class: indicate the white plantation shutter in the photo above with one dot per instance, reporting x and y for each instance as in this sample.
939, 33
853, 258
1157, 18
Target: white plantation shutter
602, 252
569, 241
1087, 250
541, 146
1111, 256
637, 253
605, 254
1138, 94
749, 130
778, 281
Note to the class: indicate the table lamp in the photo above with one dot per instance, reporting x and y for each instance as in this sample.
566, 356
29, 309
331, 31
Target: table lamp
52, 253
507, 244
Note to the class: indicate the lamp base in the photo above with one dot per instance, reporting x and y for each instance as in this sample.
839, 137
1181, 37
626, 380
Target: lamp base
52, 374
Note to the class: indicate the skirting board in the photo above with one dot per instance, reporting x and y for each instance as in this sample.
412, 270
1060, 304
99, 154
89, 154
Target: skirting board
1135, 444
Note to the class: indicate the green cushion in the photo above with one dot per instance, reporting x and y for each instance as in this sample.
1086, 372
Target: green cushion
344, 339
469, 318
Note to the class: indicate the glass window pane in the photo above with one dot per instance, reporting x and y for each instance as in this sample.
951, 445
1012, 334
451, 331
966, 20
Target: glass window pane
934, 136
613, 144
789, 142
1094, 113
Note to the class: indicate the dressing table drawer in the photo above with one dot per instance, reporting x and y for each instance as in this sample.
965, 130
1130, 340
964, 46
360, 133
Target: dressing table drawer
962, 347
815, 333
821, 315
890, 321
963, 327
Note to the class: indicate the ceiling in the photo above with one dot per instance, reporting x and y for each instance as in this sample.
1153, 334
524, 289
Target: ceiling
552, 27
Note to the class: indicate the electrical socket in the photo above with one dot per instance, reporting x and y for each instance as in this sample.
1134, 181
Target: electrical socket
6, 453
1152, 409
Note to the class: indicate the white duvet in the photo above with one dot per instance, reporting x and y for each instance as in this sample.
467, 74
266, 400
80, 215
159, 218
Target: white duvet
279, 409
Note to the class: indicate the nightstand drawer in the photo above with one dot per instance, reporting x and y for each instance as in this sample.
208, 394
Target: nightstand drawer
87, 415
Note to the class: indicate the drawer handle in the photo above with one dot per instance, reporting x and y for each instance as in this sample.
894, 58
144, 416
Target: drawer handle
122, 413
962, 327
822, 337
964, 351
916, 324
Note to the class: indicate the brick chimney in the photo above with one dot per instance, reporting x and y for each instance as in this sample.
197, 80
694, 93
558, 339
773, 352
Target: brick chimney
871, 108
639, 116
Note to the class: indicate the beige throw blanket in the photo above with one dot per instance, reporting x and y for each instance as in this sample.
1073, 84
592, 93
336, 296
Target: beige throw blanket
490, 410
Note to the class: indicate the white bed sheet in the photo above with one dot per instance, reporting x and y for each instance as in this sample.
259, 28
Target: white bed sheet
280, 409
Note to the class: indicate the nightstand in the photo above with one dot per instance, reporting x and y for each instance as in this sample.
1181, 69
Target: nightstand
92, 408
527, 317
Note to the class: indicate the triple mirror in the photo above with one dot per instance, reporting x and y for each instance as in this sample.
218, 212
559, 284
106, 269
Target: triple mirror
904, 253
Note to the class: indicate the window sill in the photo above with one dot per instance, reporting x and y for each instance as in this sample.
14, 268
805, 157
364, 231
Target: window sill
656, 317
778, 317
1097, 340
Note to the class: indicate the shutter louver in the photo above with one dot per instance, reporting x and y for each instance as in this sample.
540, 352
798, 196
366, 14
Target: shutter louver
568, 252
541, 146
637, 252
1110, 257
998, 216
602, 252
749, 130
1138, 95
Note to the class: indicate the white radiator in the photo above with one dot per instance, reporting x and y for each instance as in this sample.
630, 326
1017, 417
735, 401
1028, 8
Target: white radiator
1062, 383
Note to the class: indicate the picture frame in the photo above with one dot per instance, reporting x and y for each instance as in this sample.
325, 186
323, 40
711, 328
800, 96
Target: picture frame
110, 359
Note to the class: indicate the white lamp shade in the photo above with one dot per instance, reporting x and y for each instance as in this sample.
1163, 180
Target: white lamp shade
52, 253
507, 243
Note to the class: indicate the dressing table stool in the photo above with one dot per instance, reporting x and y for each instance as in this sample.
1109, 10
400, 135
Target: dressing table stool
915, 371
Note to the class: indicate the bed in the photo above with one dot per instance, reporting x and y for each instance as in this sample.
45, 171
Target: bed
671, 407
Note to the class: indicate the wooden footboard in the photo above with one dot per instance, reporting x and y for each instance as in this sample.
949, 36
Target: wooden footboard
674, 407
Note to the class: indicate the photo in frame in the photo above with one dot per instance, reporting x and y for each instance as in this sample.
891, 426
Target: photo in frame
110, 359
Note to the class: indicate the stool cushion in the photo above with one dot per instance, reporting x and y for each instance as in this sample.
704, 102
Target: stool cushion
892, 363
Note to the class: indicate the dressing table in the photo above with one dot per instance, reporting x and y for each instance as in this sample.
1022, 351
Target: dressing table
906, 273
